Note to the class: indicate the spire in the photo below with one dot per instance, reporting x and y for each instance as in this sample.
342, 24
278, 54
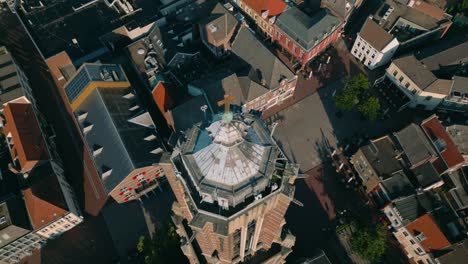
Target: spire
227, 117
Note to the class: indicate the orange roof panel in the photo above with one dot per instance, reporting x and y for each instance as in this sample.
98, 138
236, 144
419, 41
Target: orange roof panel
439, 136
162, 98
274, 7
28, 142
434, 238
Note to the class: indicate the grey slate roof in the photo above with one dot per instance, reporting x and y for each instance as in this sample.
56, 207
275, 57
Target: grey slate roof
305, 29
449, 56
398, 185
460, 84
459, 254
339, 6
212, 86
189, 113
415, 70
426, 174
459, 135
413, 206
10, 87
256, 61
222, 20
381, 154
414, 143
124, 147
10, 234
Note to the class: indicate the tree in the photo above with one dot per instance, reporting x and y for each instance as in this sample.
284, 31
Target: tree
346, 99
358, 83
369, 243
370, 108
354, 89
164, 247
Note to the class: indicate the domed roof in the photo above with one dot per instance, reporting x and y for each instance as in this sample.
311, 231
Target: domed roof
232, 157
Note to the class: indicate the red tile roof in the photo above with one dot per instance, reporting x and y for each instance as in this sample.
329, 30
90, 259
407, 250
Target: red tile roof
274, 7
429, 10
55, 64
436, 131
21, 123
44, 199
161, 95
435, 239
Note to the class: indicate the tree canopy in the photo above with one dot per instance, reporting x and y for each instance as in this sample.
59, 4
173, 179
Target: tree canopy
369, 243
369, 108
354, 94
359, 83
164, 247
346, 99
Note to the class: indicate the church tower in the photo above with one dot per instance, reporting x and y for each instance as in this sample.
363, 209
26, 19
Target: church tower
233, 187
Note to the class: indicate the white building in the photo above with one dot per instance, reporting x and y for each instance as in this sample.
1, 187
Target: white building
420, 85
374, 46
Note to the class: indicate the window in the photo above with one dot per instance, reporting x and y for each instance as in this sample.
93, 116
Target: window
367, 52
221, 244
236, 241
412, 242
401, 79
407, 84
419, 250
373, 55
359, 44
405, 233
355, 51
395, 73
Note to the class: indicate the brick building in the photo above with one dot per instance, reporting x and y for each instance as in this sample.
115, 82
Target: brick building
264, 13
255, 76
49, 199
303, 37
120, 137
233, 187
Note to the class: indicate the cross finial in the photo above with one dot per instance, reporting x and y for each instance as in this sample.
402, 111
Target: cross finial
227, 103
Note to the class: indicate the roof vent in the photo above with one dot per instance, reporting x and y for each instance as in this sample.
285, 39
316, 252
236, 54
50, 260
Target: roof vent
141, 51
213, 28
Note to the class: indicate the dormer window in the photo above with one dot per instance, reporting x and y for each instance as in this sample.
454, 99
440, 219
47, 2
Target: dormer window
157, 151
150, 137
87, 128
106, 171
82, 116
135, 107
129, 96
97, 149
